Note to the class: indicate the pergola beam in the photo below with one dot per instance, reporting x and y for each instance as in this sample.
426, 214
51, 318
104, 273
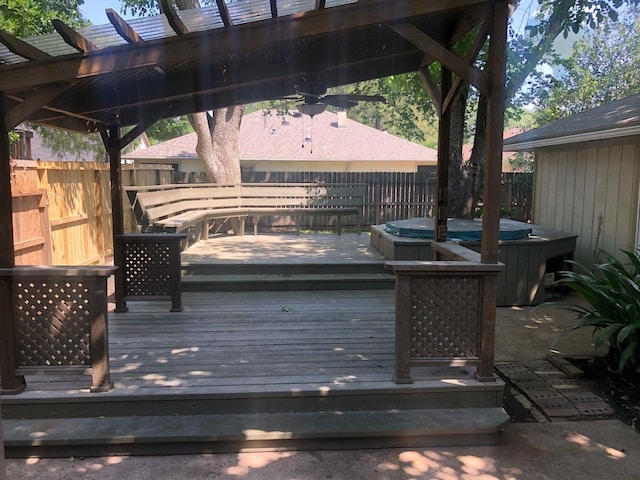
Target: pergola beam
73, 38
22, 48
242, 38
123, 28
213, 91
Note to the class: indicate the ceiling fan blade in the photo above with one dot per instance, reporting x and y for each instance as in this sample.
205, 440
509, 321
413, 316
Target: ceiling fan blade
338, 101
358, 98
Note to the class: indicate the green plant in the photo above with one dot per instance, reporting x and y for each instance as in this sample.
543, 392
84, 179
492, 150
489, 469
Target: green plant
612, 292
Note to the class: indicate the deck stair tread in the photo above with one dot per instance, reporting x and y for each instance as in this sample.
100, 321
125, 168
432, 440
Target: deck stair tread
284, 276
264, 429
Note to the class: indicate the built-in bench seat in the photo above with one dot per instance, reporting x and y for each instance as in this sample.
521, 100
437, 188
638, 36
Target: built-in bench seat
200, 209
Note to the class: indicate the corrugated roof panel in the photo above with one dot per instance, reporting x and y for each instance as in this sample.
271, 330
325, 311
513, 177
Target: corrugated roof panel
152, 28
247, 11
289, 7
157, 26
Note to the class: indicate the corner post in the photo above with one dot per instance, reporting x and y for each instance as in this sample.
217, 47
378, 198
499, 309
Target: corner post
493, 169
111, 140
10, 383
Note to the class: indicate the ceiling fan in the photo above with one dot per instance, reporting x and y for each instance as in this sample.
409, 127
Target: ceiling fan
313, 95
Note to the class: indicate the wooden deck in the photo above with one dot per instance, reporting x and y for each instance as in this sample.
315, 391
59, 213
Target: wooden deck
249, 342
255, 369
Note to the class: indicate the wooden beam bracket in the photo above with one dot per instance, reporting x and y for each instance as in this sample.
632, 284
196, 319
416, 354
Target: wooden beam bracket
451, 60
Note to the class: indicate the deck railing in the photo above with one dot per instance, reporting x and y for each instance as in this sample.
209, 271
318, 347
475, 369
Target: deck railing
58, 324
444, 312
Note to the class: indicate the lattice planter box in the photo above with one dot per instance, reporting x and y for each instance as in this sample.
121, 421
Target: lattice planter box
59, 323
149, 268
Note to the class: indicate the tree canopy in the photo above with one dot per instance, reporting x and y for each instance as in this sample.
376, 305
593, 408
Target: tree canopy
602, 67
27, 18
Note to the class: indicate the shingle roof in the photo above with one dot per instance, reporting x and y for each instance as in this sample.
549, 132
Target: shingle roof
617, 119
266, 137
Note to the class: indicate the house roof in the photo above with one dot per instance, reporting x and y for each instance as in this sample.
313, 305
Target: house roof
268, 138
617, 119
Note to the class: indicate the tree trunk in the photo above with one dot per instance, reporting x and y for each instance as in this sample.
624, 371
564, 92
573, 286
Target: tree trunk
218, 140
218, 137
461, 204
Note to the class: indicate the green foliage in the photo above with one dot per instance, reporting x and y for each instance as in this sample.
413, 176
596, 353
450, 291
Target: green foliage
408, 113
521, 162
27, 18
602, 67
612, 293
150, 7
70, 144
168, 128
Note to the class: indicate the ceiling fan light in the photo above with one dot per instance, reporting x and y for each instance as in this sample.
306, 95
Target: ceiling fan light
311, 109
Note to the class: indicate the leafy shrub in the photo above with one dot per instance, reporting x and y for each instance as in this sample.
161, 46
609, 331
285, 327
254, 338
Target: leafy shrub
612, 292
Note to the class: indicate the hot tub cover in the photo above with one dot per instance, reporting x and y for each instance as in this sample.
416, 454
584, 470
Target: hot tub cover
457, 229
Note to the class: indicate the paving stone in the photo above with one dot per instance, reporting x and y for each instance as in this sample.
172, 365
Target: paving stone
541, 392
536, 387
581, 396
571, 370
591, 409
563, 385
556, 360
550, 375
558, 402
524, 377
563, 413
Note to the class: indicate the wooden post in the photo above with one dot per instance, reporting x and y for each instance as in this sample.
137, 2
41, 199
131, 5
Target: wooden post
492, 173
444, 149
403, 329
111, 140
10, 383
3, 466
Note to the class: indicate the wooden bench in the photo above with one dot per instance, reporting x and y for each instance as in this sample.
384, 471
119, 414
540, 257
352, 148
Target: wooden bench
200, 209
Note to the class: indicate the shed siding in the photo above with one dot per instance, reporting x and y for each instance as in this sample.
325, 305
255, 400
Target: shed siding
590, 190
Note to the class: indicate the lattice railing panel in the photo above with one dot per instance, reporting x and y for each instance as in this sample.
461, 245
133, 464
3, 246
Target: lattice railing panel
147, 268
53, 320
444, 316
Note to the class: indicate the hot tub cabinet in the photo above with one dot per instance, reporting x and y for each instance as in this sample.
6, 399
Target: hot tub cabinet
530, 262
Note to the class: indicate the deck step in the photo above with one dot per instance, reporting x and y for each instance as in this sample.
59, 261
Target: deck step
278, 281
232, 433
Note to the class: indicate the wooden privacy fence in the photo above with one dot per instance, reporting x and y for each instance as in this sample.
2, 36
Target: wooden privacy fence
398, 195
389, 195
62, 210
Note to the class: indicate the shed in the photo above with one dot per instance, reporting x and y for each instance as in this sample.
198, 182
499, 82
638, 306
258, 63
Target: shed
587, 177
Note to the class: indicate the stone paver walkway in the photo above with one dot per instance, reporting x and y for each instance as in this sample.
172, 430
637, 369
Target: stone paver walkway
551, 386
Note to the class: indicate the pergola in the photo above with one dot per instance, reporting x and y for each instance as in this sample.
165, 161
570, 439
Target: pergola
131, 74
